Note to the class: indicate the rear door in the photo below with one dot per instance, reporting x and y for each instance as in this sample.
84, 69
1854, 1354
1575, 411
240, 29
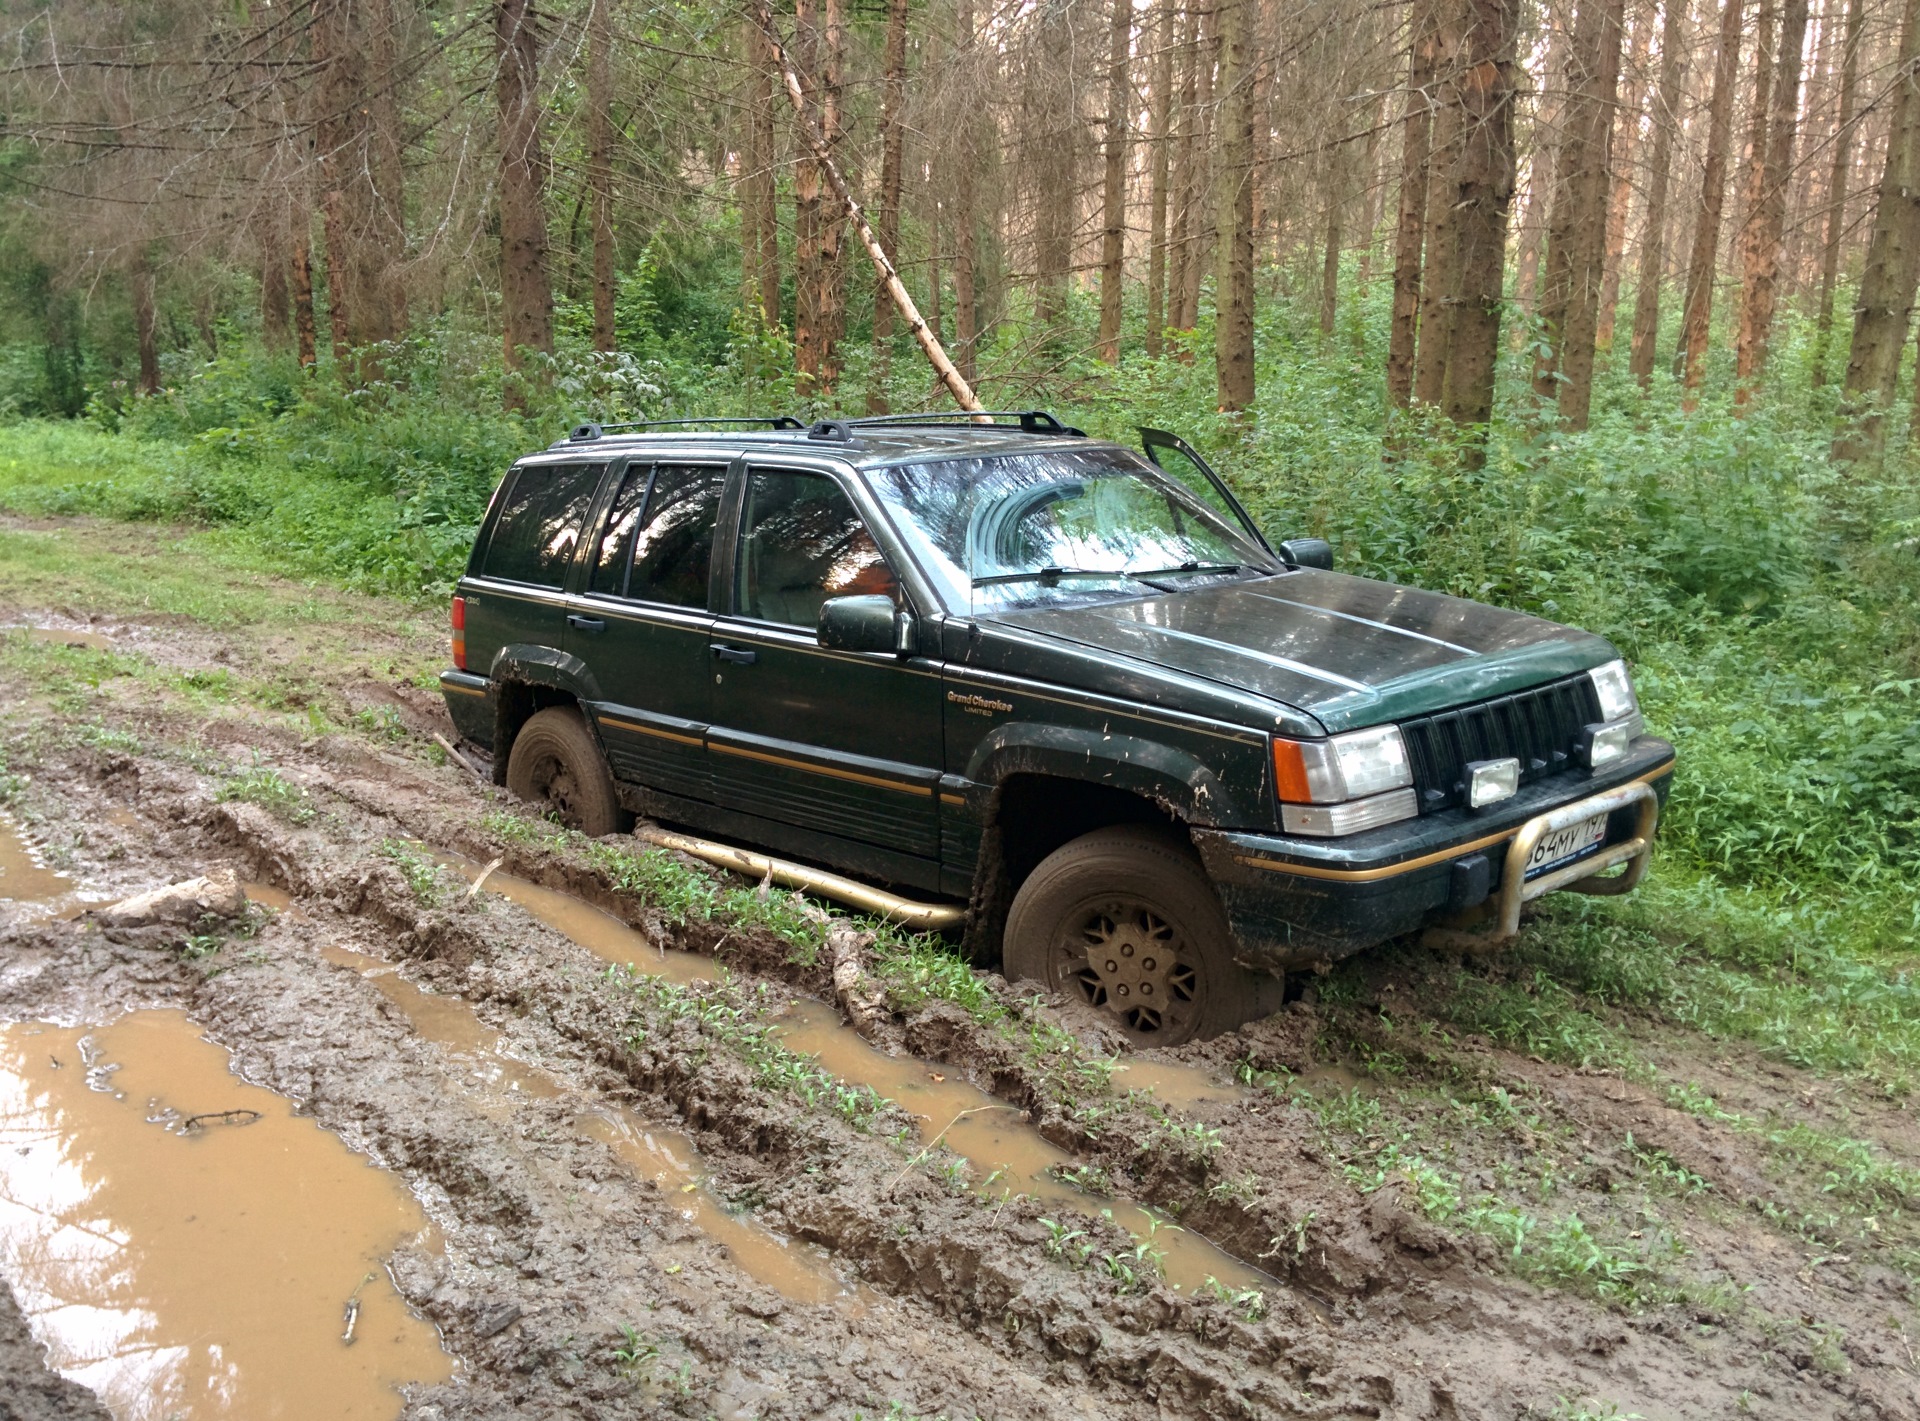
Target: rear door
844, 743
642, 623
516, 602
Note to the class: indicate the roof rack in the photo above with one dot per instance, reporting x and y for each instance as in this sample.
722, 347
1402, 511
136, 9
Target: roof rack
1030, 421
585, 433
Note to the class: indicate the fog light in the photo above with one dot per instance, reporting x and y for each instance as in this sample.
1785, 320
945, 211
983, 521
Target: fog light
1603, 744
1490, 781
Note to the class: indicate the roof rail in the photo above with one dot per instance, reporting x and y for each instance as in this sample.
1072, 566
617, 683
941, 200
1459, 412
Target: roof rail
586, 433
1030, 421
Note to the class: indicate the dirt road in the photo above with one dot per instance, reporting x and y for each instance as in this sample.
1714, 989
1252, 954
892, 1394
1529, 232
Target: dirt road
683, 1146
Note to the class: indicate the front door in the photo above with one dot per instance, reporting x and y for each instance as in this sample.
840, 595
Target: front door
642, 624
841, 743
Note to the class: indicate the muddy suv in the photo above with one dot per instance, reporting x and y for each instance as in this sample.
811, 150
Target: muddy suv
1064, 683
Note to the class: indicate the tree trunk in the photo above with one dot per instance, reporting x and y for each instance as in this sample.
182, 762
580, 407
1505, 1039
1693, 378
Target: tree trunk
1892, 267
300, 261
1415, 152
1233, 282
1753, 171
761, 194
364, 305
600, 167
1549, 126
964, 221
1767, 225
1653, 237
1201, 225
819, 226
526, 294
1576, 238
1330, 263
1482, 193
1713, 189
1113, 196
1439, 279
1837, 183
893, 99
386, 144
145, 323
1051, 138
1619, 206
276, 313
1160, 106
1184, 182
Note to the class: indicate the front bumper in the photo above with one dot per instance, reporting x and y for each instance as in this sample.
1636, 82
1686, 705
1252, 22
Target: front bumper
1294, 902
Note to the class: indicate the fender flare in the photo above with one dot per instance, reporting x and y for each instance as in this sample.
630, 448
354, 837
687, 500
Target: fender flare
1170, 778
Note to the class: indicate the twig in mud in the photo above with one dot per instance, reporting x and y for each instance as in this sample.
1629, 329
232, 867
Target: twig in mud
934, 1143
220, 1117
457, 757
353, 1310
485, 873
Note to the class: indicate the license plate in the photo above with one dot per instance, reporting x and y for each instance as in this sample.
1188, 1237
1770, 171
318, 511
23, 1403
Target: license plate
1565, 845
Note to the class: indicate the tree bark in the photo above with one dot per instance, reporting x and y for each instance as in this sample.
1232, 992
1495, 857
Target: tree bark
819, 226
1767, 223
1160, 105
1576, 237
1892, 267
1113, 196
893, 100
1653, 236
1051, 137
1233, 282
1439, 279
1415, 152
761, 195
1706, 233
1625, 141
1330, 263
1201, 224
276, 311
300, 261
386, 143
1549, 125
965, 221
526, 293
1185, 183
145, 322
600, 167
364, 306
1483, 195
1837, 183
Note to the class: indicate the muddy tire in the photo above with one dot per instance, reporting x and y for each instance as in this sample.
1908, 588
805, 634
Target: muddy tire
1124, 920
555, 762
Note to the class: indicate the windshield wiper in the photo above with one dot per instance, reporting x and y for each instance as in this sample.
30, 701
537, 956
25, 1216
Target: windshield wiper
1048, 575
1199, 567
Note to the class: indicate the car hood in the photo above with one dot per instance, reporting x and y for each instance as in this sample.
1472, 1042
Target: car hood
1348, 651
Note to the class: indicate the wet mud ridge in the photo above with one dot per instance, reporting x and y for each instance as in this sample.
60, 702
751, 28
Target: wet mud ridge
636, 1140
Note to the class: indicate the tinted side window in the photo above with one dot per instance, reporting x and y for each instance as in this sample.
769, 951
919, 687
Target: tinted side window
539, 525
673, 546
616, 542
801, 542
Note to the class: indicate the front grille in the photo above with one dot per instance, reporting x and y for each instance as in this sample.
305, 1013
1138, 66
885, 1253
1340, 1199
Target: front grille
1536, 726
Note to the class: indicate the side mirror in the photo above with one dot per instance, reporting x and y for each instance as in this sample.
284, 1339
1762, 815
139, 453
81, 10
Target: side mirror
864, 624
1307, 552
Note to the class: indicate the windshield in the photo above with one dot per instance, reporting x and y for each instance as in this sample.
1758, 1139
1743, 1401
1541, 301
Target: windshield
1019, 530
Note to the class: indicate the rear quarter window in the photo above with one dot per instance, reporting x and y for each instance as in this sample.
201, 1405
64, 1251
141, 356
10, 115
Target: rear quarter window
540, 521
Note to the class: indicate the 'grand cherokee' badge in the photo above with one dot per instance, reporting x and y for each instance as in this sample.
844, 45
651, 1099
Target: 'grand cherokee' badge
978, 705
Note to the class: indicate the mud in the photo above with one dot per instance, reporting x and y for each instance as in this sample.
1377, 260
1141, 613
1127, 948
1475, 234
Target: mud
186, 1246
23, 877
645, 1203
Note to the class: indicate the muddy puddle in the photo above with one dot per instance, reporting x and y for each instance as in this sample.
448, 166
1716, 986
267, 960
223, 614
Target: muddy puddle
267, 896
1007, 1156
23, 878
187, 1246
1182, 1087
600, 933
61, 636
666, 1157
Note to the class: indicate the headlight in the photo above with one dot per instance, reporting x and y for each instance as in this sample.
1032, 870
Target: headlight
1364, 774
1615, 688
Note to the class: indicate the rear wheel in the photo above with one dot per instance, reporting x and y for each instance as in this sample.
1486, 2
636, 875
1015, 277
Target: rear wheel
556, 762
1124, 920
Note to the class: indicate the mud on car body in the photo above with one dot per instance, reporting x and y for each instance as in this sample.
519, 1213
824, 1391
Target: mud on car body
1064, 682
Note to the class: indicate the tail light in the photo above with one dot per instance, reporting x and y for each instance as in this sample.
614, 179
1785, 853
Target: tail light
460, 633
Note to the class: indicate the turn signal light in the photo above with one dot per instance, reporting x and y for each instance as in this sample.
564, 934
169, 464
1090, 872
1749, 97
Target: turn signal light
460, 634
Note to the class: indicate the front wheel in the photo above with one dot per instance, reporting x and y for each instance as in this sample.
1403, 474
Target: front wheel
555, 762
1125, 920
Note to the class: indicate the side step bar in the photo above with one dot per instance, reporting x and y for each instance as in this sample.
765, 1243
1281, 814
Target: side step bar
922, 917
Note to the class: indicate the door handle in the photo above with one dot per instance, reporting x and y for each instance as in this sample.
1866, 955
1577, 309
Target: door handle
587, 624
734, 654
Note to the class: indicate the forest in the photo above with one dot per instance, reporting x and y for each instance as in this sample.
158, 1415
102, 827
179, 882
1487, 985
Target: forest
1599, 309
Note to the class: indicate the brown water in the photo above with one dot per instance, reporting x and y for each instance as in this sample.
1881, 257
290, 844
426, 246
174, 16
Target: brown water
23, 877
1182, 1087
60, 636
665, 1156
600, 933
669, 1159
1007, 1155
267, 896
197, 1270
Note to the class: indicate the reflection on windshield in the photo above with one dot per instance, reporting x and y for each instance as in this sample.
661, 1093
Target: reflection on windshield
1021, 529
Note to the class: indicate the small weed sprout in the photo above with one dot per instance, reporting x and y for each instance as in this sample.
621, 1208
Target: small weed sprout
267, 787
422, 875
634, 1351
1250, 1303
1569, 1408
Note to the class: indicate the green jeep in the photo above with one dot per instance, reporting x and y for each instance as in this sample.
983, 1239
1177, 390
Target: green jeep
1059, 692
